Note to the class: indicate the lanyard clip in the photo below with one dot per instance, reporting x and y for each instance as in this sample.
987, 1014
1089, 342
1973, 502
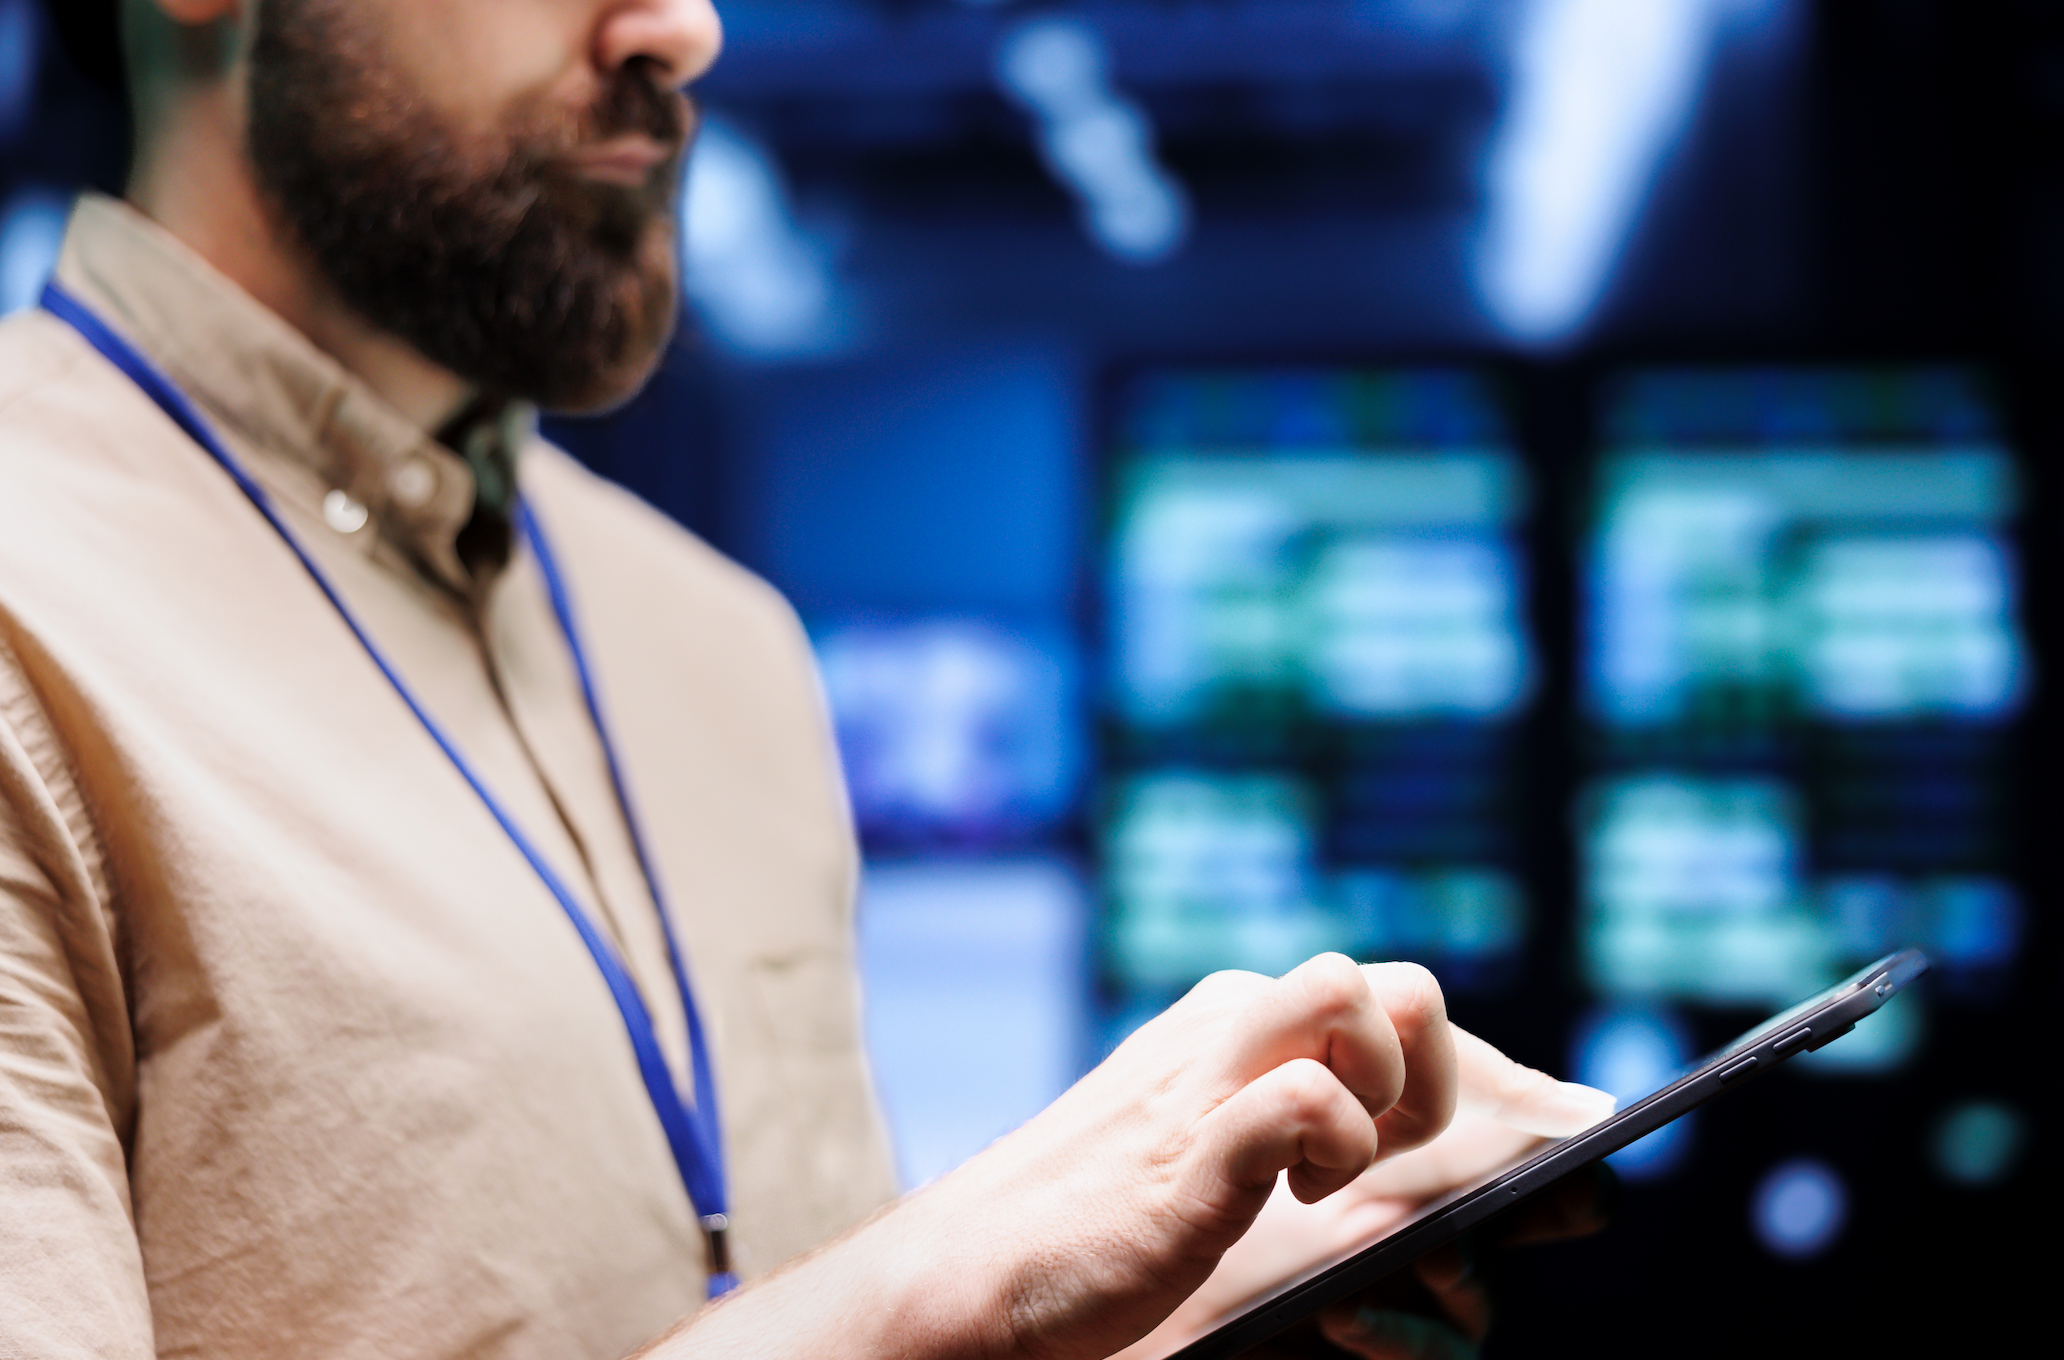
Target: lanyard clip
716, 1229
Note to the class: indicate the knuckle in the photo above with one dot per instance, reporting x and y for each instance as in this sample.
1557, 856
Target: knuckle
1227, 983
1334, 983
1309, 1091
1413, 990
1218, 993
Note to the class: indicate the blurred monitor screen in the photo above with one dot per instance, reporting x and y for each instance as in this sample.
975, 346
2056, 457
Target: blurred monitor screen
1316, 620
1803, 659
1861, 585
1351, 585
952, 730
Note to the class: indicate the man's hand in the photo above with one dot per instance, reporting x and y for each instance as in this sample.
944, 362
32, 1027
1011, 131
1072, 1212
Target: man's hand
1503, 1111
1075, 1236
1117, 1202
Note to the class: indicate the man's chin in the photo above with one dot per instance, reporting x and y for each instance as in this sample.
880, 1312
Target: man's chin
610, 390
596, 385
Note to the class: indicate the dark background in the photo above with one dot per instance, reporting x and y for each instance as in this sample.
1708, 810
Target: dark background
1867, 183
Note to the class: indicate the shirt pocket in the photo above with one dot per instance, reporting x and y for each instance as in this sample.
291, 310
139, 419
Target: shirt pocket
808, 1001
810, 1145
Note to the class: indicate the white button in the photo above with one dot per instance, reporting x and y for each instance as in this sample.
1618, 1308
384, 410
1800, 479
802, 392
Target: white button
343, 514
414, 483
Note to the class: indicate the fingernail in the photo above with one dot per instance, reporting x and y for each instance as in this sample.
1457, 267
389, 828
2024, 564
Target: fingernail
1414, 1335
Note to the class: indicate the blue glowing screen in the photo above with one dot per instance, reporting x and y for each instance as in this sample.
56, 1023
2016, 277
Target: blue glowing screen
1803, 653
1317, 649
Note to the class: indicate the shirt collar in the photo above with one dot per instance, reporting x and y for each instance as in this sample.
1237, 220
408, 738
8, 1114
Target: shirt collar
250, 370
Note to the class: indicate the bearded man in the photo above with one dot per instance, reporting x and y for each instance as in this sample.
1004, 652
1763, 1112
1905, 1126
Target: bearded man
352, 741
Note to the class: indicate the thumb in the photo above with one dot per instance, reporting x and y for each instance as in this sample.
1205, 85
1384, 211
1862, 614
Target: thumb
1521, 1097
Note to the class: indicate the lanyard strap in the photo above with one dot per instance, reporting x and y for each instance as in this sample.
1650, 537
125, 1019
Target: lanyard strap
693, 1135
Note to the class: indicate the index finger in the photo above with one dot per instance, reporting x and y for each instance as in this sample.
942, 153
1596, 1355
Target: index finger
1412, 1000
1382, 1029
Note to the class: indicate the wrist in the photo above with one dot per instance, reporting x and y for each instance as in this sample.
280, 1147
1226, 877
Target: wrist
911, 1282
930, 1284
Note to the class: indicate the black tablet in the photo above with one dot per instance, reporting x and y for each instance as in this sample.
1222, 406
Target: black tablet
1806, 1026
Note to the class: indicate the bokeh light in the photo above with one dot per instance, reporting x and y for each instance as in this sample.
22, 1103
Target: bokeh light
1799, 1209
1979, 1143
1631, 1052
32, 224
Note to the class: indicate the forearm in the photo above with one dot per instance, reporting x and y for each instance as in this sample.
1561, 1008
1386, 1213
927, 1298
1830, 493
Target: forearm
897, 1285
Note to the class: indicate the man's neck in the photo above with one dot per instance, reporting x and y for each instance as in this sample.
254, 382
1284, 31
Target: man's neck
212, 204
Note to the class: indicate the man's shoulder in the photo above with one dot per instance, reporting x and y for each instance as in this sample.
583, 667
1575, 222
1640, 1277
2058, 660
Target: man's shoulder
41, 363
68, 418
73, 431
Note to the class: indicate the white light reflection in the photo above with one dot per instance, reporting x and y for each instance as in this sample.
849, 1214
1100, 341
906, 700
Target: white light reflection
1097, 143
764, 287
1600, 90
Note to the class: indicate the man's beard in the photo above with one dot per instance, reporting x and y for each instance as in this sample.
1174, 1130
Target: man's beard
485, 254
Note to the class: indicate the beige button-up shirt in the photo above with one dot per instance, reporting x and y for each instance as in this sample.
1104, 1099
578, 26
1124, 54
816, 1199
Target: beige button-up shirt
298, 1057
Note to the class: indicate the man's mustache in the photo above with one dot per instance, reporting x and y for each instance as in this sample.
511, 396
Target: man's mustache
638, 102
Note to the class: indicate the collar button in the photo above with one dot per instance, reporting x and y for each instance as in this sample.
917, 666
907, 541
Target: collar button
343, 514
414, 484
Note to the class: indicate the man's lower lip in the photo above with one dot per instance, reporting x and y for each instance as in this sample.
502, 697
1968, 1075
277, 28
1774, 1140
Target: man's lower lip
630, 173
632, 161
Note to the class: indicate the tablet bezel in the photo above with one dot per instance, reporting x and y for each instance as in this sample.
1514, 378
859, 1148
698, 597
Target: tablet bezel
1817, 1021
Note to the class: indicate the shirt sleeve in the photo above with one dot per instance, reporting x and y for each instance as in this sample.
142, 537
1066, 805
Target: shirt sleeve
71, 1272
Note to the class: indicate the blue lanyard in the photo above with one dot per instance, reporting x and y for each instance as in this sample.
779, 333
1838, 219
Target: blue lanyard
694, 1135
